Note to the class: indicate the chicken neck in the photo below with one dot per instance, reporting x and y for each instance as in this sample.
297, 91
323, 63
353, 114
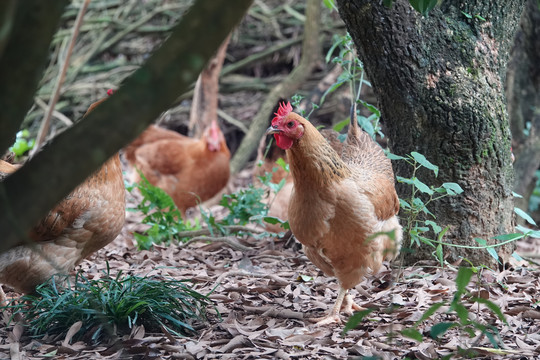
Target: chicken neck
314, 162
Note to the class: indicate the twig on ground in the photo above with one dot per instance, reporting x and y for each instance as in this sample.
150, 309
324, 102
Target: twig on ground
227, 240
275, 312
277, 279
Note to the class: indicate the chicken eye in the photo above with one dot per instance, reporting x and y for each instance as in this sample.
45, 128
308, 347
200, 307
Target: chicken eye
290, 124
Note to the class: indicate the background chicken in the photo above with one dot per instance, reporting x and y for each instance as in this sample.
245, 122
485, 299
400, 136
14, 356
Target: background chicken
84, 222
189, 170
339, 202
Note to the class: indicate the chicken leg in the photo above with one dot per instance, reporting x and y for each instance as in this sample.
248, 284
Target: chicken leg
343, 300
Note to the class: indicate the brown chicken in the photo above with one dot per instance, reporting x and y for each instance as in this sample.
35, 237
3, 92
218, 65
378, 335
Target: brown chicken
189, 170
84, 222
340, 203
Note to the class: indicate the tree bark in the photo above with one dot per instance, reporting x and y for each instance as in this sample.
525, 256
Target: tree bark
68, 159
439, 82
523, 92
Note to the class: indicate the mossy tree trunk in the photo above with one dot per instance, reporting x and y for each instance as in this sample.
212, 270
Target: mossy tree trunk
439, 82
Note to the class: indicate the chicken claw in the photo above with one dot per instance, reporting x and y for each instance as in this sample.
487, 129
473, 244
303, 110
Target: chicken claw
349, 306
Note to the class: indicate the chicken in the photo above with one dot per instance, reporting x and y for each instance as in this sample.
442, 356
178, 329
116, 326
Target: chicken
341, 203
84, 222
189, 170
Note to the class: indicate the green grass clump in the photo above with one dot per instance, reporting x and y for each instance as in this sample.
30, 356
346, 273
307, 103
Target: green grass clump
112, 306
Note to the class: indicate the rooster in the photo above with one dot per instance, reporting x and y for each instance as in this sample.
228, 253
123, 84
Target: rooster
344, 206
189, 170
84, 222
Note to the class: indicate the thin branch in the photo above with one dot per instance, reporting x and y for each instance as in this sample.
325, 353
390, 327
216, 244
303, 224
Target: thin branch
63, 118
228, 118
227, 240
310, 57
46, 124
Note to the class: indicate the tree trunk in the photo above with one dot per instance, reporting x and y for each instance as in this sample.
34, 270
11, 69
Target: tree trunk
523, 92
439, 82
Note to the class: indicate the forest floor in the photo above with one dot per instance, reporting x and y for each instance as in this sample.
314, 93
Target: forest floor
264, 299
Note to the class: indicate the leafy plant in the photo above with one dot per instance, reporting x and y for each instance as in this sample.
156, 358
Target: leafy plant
244, 206
464, 321
161, 214
417, 228
413, 207
352, 75
23, 143
112, 306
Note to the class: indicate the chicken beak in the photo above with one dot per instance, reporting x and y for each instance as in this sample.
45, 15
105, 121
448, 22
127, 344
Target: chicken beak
272, 130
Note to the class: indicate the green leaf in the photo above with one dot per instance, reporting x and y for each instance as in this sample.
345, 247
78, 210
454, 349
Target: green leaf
421, 159
439, 254
524, 216
412, 334
401, 179
423, 6
441, 328
441, 234
516, 256
479, 17
467, 15
340, 125
329, 4
491, 250
493, 307
506, 237
336, 43
463, 277
422, 187
404, 204
374, 110
452, 188
394, 156
355, 319
461, 311
436, 228
388, 3
283, 164
430, 311
274, 220
527, 231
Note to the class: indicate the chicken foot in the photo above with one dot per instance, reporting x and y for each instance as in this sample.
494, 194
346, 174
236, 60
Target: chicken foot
344, 302
349, 306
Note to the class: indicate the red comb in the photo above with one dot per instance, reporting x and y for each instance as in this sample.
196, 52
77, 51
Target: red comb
110, 92
284, 110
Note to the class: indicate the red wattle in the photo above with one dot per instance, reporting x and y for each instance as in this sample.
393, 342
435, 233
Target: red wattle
283, 141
